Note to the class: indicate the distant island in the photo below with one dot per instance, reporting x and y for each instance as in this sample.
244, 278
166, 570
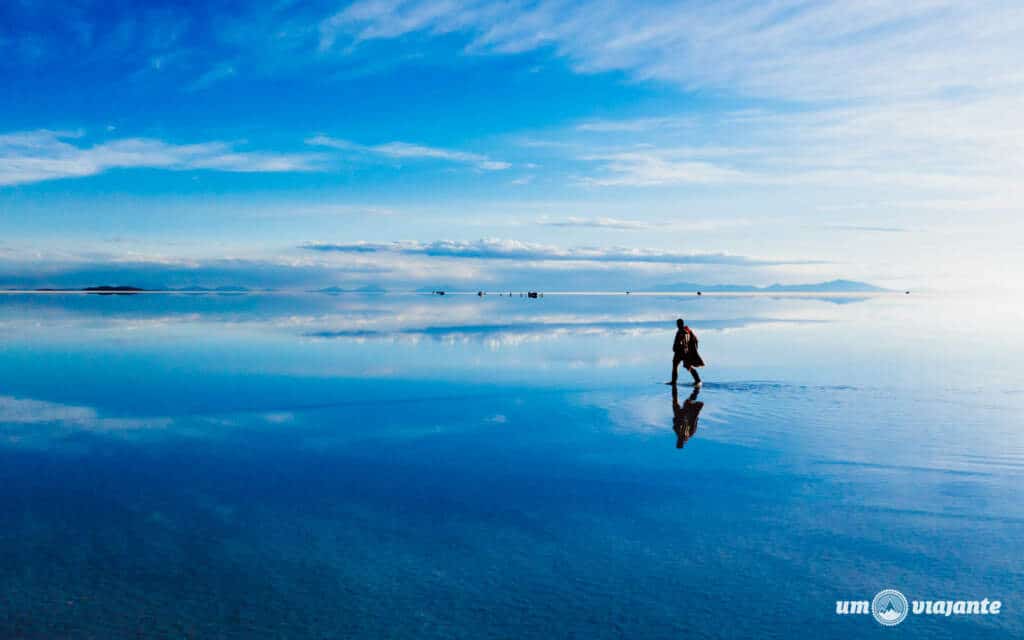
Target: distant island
112, 289
832, 286
99, 289
109, 289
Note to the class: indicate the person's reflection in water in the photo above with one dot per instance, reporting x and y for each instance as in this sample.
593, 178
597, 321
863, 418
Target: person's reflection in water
684, 418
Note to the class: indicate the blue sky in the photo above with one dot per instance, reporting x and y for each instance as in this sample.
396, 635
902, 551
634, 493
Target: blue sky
601, 145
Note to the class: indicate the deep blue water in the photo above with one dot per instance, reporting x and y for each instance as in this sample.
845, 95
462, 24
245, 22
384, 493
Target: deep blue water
314, 466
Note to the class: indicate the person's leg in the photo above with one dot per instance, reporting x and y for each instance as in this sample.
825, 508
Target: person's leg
693, 372
675, 369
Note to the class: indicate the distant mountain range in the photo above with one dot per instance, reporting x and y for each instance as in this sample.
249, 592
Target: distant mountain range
832, 286
127, 289
99, 289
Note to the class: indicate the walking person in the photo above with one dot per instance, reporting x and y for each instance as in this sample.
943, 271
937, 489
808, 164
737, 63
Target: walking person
684, 350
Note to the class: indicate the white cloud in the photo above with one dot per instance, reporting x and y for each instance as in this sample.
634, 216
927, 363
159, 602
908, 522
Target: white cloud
920, 96
405, 150
483, 264
215, 74
965, 149
599, 223
657, 167
677, 224
788, 49
501, 249
34, 156
635, 125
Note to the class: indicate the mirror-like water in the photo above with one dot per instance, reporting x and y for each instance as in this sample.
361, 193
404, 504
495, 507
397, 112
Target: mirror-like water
416, 466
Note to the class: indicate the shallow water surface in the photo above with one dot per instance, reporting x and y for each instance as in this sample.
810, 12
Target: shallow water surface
271, 466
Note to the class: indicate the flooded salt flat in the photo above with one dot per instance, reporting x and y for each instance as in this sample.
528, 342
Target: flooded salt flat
408, 465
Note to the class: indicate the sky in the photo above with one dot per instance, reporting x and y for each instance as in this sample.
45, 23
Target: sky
487, 145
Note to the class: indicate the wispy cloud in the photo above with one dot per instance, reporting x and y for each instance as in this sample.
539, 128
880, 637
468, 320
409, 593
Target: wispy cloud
966, 146
657, 167
29, 270
789, 49
218, 72
599, 223
500, 249
405, 150
915, 96
403, 266
780, 109
867, 228
678, 223
636, 125
34, 156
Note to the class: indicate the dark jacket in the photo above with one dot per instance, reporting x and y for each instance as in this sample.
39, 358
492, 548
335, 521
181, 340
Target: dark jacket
685, 348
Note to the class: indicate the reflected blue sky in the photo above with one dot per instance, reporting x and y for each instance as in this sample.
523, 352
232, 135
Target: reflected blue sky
418, 466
